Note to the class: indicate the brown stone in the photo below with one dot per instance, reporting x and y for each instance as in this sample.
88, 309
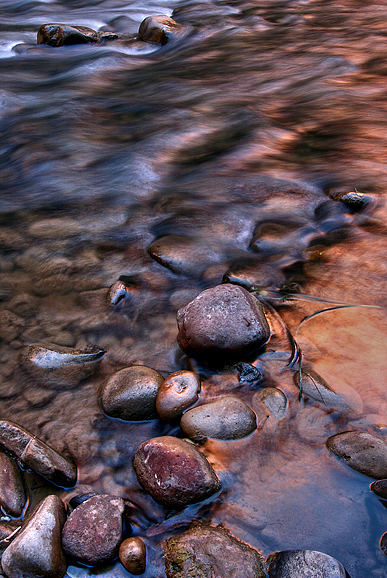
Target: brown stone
174, 472
63, 34
361, 451
157, 29
177, 393
132, 555
37, 455
12, 494
93, 531
380, 488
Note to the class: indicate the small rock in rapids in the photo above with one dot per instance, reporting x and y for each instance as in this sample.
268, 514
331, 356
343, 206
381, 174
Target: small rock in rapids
36, 551
63, 34
132, 555
157, 29
37, 455
274, 399
353, 200
227, 418
131, 393
93, 531
61, 365
221, 324
117, 292
12, 494
304, 564
383, 543
380, 488
249, 374
174, 472
178, 392
184, 255
361, 451
208, 551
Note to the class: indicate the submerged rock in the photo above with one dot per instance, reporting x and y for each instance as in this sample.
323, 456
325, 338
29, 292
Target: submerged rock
93, 531
227, 418
183, 255
61, 365
158, 29
36, 551
12, 494
37, 455
209, 551
383, 543
380, 488
221, 324
174, 472
117, 293
63, 34
132, 555
274, 399
361, 451
304, 564
131, 393
177, 393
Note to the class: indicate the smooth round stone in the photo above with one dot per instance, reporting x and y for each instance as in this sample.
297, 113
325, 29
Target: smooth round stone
380, 488
221, 324
157, 29
227, 418
93, 531
132, 555
36, 551
208, 551
12, 494
361, 451
304, 564
131, 393
63, 34
274, 399
178, 392
383, 543
174, 472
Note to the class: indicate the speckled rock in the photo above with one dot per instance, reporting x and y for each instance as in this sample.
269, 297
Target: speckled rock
380, 488
273, 399
58, 365
304, 564
221, 324
36, 550
132, 555
63, 34
93, 531
177, 393
157, 29
227, 418
174, 472
353, 200
210, 552
37, 455
131, 393
12, 494
361, 451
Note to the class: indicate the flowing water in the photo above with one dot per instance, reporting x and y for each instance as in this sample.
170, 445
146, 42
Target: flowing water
233, 136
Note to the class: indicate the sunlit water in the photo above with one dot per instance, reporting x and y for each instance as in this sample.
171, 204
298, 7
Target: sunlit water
237, 130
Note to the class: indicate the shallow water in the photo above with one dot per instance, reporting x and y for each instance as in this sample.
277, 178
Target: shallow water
232, 136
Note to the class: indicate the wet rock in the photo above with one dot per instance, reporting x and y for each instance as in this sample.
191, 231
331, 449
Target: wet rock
227, 418
93, 531
37, 455
177, 393
208, 551
383, 543
174, 472
184, 255
132, 555
353, 200
158, 29
12, 494
304, 564
380, 488
274, 399
36, 550
117, 293
63, 34
61, 365
255, 274
361, 451
131, 393
249, 374
221, 324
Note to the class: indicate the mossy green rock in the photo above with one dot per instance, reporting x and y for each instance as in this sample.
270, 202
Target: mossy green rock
210, 552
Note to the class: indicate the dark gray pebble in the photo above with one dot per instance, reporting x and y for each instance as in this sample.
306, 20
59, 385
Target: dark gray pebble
304, 564
361, 451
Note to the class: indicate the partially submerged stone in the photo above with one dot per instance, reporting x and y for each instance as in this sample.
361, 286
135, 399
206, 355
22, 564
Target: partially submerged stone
304, 564
63, 34
132, 555
209, 552
274, 400
221, 324
117, 293
36, 551
354, 200
383, 543
177, 393
58, 365
174, 472
227, 418
184, 255
131, 393
158, 29
380, 488
361, 451
12, 493
93, 532
37, 455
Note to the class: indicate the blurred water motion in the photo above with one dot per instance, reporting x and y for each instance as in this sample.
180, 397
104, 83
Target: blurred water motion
234, 136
